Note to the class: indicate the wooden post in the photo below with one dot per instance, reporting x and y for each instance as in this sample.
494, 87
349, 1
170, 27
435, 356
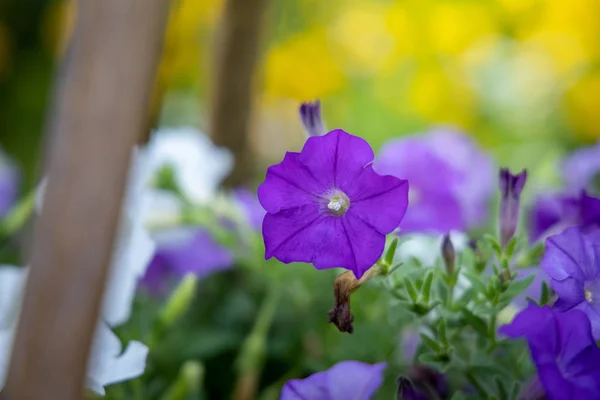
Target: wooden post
100, 112
237, 50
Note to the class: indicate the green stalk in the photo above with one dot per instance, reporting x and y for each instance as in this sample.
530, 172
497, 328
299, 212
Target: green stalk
251, 358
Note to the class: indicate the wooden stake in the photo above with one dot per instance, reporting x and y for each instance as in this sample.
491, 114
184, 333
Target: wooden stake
100, 112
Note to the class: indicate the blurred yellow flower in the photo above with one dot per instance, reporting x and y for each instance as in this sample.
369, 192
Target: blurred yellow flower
583, 104
303, 67
186, 46
452, 27
363, 38
441, 95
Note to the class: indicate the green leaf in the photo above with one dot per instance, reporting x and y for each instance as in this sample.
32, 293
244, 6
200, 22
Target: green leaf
509, 251
391, 252
502, 393
494, 243
477, 323
476, 282
426, 291
429, 342
442, 333
535, 254
545, 296
516, 389
411, 290
518, 286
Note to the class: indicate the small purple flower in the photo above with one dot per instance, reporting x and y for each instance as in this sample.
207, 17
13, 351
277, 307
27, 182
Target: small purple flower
181, 252
511, 187
310, 115
553, 213
253, 211
563, 350
9, 184
451, 180
345, 380
326, 205
582, 168
572, 261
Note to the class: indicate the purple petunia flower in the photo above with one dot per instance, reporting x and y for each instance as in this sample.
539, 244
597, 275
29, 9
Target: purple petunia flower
181, 252
511, 187
572, 261
553, 213
326, 205
582, 168
310, 116
451, 180
9, 184
345, 380
563, 350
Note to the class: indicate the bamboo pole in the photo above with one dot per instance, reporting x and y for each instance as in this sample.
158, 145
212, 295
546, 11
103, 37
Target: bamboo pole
100, 112
236, 55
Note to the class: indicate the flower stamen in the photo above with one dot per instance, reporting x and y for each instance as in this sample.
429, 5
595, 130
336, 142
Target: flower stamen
588, 296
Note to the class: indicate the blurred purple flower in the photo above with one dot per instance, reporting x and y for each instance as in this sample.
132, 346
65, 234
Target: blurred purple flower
345, 380
553, 213
310, 116
251, 208
181, 252
326, 205
9, 184
563, 350
450, 177
581, 169
511, 187
572, 261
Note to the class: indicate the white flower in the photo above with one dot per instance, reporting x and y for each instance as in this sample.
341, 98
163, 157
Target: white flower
110, 364
199, 165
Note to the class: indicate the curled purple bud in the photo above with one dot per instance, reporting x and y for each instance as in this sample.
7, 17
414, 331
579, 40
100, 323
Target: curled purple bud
511, 187
448, 254
310, 115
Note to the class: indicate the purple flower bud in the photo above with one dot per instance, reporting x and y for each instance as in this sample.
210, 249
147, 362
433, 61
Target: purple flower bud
310, 115
423, 383
448, 254
511, 187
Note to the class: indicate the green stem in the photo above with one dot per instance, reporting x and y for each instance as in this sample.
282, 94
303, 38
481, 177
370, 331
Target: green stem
19, 214
251, 357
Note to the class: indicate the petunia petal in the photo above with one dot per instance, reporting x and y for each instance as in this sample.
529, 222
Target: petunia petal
336, 159
538, 326
312, 387
305, 235
288, 185
380, 201
354, 380
572, 253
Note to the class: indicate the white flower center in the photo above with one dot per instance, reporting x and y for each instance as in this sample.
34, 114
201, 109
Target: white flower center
588, 296
335, 204
338, 203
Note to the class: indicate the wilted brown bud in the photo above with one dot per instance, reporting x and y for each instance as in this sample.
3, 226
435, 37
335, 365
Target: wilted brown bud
344, 285
448, 254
